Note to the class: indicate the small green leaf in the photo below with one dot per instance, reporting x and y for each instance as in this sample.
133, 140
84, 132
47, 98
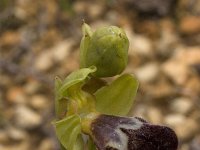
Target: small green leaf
75, 78
67, 131
117, 98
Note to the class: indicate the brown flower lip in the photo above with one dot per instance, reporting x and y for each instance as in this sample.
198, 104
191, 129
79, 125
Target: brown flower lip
131, 133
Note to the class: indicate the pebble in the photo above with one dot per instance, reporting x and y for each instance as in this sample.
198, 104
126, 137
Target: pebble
195, 144
79, 7
16, 134
168, 39
17, 146
3, 136
16, 95
31, 86
187, 130
158, 7
181, 105
154, 115
46, 144
26, 118
39, 102
44, 61
49, 57
95, 10
190, 24
174, 120
140, 45
148, 72
184, 127
177, 67
9, 38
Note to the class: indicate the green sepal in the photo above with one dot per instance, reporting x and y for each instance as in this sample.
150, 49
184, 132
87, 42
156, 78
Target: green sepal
67, 131
117, 98
85, 41
74, 78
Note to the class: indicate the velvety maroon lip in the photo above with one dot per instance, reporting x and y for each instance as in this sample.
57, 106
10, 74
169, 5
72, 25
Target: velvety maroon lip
142, 135
151, 137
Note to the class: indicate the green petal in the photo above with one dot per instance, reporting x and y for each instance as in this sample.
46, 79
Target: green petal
91, 145
75, 78
117, 98
79, 145
60, 105
67, 131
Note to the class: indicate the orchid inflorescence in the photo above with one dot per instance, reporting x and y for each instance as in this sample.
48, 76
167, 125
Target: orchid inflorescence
91, 113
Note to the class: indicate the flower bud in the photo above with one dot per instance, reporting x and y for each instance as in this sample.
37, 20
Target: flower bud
106, 48
126, 133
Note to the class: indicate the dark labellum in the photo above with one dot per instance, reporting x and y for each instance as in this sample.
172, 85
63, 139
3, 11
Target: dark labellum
126, 133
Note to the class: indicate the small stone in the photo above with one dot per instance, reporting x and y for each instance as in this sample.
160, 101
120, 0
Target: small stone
139, 45
61, 50
147, 72
168, 39
190, 24
154, 115
158, 90
195, 144
39, 102
57, 53
95, 10
17, 146
16, 95
178, 68
3, 137
175, 119
181, 105
26, 118
192, 86
79, 7
46, 144
157, 7
73, 59
184, 127
187, 130
16, 134
10, 38
31, 86
139, 111
44, 61
184, 147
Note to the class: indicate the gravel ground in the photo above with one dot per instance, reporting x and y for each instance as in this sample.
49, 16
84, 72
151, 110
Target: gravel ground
40, 39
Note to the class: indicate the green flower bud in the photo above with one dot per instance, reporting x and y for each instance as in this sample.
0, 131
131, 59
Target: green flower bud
106, 48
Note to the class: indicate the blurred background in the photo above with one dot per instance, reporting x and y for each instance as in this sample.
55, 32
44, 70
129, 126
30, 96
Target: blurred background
40, 39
